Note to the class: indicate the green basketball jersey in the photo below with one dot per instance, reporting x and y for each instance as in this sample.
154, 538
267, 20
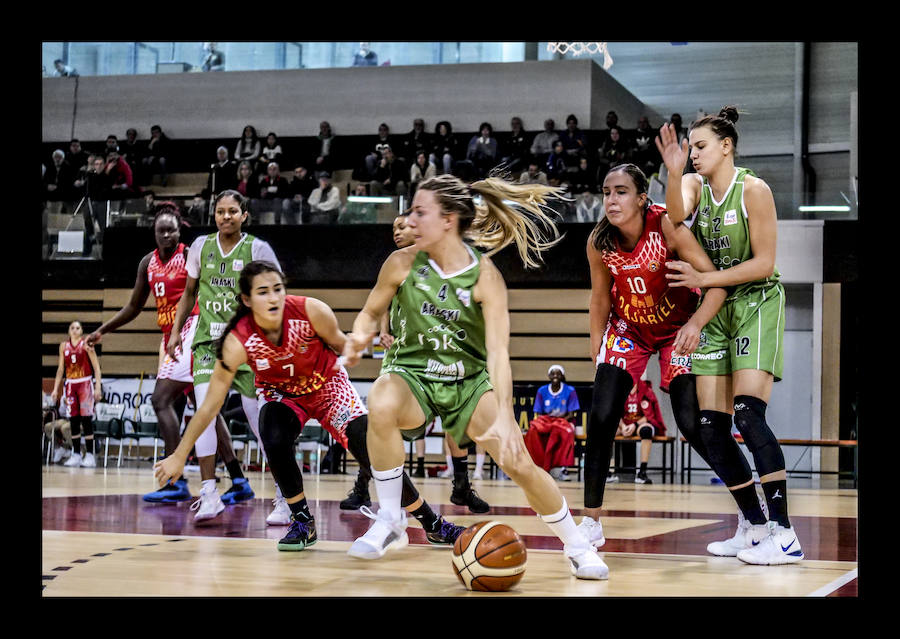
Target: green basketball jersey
218, 293
438, 326
723, 231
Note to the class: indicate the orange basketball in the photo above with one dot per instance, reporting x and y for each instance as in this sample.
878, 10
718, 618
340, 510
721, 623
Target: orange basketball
489, 556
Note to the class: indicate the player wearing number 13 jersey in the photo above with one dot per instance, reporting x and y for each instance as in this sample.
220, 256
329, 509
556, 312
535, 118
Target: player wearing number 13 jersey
633, 314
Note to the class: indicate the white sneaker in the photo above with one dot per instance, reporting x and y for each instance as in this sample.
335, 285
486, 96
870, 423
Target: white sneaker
385, 534
554, 472
446, 473
731, 547
74, 460
564, 475
586, 563
88, 461
281, 515
61, 453
477, 475
208, 506
592, 531
612, 479
779, 546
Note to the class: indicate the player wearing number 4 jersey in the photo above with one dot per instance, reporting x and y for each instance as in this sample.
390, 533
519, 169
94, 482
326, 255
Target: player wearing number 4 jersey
633, 314
163, 272
742, 349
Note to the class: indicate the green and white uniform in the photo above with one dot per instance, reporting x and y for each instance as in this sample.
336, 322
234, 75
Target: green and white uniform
439, 349
748, 331
218, 296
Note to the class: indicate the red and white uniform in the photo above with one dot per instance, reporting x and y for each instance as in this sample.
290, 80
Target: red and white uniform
167, 281
643, 403
299, 373
79, 376
180, 370
646, 314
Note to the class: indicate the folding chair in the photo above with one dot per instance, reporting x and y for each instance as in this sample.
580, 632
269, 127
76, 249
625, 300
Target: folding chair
240, 431
145, 427
108, 425
314, 438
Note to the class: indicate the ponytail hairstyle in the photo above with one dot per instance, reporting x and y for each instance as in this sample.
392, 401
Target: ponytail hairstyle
604, 234
494, 213
723, 124
245, 284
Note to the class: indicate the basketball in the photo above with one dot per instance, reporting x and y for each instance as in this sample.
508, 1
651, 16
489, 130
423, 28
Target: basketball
489, 557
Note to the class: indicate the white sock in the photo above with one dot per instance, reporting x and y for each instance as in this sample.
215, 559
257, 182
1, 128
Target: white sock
450, 462
208, 486
479, 462
389, 488
563, 526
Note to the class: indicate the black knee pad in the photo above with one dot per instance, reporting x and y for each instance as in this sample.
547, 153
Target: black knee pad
646, 432
725, 456
750, 419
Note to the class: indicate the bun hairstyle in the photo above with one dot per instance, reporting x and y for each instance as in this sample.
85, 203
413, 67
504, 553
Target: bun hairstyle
723, 124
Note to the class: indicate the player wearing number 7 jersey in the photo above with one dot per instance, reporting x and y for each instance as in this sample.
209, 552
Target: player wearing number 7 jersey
633, 314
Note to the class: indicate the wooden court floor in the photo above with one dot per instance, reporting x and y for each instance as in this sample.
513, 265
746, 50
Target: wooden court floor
100, 539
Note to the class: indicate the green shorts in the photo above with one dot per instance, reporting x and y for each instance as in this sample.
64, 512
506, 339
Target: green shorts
746, 333
204, 361
454, 402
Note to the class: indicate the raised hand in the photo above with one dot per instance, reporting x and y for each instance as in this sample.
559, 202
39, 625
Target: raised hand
674, 155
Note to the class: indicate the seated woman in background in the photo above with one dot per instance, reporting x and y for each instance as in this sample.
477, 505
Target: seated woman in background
550, 438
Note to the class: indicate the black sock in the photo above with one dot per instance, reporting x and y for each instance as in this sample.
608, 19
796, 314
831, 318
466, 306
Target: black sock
89, 446
421, 463
776, 499
748, 502
461, 470
643, 467
426, 517
300, 510
234, 469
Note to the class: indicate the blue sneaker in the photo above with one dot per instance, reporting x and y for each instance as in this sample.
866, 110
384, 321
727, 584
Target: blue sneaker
300, 535
170, 493
445, 535
240, 491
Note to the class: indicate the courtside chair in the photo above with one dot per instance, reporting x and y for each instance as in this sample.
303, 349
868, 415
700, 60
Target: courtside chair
108, 425
145, 427
315, 438
240, 431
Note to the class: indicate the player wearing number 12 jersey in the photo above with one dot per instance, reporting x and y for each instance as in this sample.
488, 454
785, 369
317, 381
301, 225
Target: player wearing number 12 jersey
633, 314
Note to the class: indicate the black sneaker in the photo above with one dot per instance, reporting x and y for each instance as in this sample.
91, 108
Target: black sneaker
300, 535
446, 533
356, 499
465, 496
641, 478
420, 471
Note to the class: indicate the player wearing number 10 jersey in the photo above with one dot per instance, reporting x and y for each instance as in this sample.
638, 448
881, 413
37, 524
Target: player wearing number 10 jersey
633, 314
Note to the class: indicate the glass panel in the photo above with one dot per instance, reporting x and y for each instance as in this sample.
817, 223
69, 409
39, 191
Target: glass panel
147, 58
50, 51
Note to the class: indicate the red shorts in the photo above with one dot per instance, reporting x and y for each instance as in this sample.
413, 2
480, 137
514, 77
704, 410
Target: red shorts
80, 397
630, 348
334, 405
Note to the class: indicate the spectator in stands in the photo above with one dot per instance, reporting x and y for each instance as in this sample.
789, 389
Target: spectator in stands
365, 57
415, 141
274, 190
325, 201
422, 169
63, 70
515, 147
358, 212
644, 151
120, 177
132, 150
642, 417
678, 125
155, 155
542, 146
482, 150
112, 144
550, 438
325, 151
574, 143
247, 182
582, 180
445, 148
76, 157
222, 174
615, 151
612, 120
533, 175
555, 166
588, 207
296, 209
248, 146
214, 60
58, 178
271, 152
390, 175
149, 201
197, 212
374, 157
95, 181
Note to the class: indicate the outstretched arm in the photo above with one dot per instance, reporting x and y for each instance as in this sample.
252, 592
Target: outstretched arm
325, 324
131, 310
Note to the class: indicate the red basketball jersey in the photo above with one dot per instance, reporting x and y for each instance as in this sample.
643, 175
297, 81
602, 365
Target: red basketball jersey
167, 281
303, 362
643, 403
642, 296
78, 364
